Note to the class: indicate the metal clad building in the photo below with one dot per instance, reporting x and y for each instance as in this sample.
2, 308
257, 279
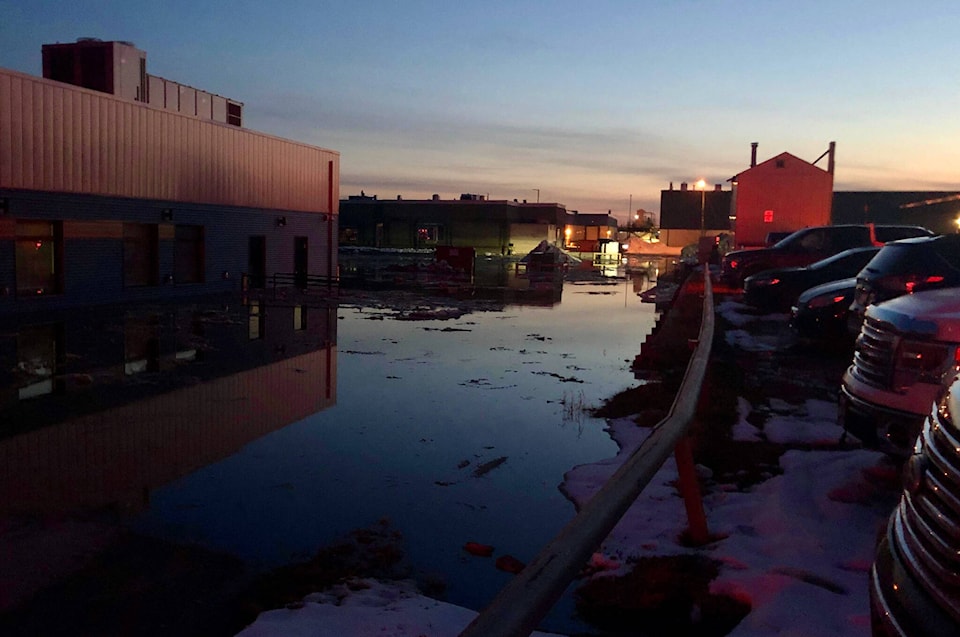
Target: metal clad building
782, 194
106, 198
63, 138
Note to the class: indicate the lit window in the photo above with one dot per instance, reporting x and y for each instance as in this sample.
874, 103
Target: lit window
38, 257
299, 318
255, 321
428, 233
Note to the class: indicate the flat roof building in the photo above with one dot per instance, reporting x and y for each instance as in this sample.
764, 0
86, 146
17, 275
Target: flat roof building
111, 190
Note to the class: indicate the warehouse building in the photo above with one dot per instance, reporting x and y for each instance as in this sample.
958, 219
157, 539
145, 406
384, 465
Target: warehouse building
119, 186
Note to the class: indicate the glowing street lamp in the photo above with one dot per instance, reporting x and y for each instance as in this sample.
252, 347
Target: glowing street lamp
701, 185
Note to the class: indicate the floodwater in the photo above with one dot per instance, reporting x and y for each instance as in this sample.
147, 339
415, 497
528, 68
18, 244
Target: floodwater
454, 420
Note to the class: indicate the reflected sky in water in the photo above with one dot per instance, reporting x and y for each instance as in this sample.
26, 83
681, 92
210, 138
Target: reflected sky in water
421, 405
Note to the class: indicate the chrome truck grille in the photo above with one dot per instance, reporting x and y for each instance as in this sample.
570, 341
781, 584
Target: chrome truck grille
926, 525
874, 356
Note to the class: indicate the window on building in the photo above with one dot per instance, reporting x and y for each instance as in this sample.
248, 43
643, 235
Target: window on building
141, 265
299, 318
188, 254
428, 233
781, 163
40, 353
189, 340
254, 321
141, 344
38, 257
576, 233
348, 236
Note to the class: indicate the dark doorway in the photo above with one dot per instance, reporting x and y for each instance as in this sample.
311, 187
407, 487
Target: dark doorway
300, 261
257, 262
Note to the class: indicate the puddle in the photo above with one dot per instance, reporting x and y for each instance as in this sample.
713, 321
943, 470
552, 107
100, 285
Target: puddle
418, 417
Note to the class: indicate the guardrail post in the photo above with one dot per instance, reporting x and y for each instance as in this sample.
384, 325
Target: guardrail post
697, 533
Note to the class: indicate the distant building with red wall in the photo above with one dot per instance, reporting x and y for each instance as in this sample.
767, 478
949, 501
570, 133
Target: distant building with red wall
782, 194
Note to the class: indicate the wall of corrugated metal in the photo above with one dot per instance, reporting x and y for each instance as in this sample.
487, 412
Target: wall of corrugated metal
58, 137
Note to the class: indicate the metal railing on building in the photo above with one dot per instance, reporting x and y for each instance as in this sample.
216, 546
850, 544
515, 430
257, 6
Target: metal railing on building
279, 280
286, 288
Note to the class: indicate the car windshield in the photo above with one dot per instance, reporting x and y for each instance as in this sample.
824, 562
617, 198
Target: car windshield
845, 258
789, 240
903, 258
885, 234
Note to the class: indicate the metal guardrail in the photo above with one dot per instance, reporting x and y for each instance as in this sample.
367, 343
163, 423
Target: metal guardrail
288, 279
303, 281
526, 599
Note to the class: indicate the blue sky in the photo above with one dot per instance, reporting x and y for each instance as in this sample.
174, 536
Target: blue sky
592, 103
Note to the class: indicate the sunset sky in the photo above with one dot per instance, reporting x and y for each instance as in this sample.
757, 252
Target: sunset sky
593, 103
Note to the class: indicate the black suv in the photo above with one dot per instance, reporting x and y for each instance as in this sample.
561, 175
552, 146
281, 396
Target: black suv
811, 244
905, 267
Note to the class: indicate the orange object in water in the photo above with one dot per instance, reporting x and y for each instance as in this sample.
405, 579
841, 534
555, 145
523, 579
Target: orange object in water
509, 564
480, 550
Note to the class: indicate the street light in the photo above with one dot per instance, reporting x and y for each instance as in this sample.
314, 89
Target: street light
701, 185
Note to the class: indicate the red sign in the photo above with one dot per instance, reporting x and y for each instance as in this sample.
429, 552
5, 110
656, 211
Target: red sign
768, 216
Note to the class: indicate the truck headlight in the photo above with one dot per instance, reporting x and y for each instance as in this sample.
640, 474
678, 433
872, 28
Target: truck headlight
924, 362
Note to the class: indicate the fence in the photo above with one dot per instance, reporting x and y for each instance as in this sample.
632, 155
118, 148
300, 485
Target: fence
280, 280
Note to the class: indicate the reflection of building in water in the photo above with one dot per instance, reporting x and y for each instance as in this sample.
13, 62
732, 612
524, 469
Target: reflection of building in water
97, 410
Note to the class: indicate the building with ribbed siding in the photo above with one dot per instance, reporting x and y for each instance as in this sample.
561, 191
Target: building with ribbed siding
119, 186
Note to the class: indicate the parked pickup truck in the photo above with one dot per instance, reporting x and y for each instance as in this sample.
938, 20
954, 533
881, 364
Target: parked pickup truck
907, 350
913, 582
807, 245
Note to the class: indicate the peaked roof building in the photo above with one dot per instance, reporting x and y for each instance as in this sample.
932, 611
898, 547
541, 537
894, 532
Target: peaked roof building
782, 194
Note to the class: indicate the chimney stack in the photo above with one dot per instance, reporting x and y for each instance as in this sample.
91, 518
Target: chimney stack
830, 162
753, 154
